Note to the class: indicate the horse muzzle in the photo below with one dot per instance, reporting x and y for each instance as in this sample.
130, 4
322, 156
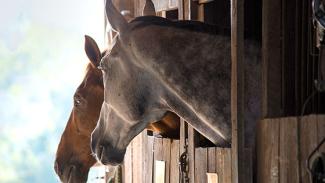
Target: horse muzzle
69, 173
109, 155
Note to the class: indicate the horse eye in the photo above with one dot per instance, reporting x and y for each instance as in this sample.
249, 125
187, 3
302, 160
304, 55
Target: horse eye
77, 101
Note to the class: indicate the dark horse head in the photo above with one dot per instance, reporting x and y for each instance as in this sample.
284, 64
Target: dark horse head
158, 65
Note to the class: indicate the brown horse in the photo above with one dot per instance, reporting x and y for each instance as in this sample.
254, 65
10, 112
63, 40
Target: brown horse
73, 157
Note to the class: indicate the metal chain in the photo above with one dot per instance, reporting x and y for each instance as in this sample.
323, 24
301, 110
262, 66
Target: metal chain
183, 160
183, 165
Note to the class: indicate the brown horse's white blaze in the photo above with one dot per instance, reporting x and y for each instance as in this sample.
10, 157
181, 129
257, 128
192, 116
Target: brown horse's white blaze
157, 66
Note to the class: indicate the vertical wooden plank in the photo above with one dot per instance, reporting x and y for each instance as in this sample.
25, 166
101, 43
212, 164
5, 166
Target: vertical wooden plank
227, 166
166, 157
138, 7
145, 153
237, 90
137, 159
308, 141
180, 10
200, 16
174, 169
211, 160
191, 154
158, 151
182, 138
268, 151
288, 161
186, 9
201, 164
182, 135
220, 165
161, 14
127, 165
271, 59
148, 167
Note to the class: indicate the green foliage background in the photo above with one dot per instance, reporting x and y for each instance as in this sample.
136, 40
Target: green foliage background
41, 63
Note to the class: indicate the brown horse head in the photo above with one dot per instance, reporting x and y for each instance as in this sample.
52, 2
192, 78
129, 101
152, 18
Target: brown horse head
73, 157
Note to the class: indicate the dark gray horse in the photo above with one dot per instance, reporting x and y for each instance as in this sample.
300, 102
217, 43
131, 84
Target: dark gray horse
156, 66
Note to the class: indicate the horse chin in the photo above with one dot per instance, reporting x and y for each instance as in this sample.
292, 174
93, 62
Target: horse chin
75, 176
77, 179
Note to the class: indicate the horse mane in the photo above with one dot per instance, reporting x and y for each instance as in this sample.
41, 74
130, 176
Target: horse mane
190, 25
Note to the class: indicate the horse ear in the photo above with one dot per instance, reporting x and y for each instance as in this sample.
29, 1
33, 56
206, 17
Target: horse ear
115, 18
92, 51
149, 8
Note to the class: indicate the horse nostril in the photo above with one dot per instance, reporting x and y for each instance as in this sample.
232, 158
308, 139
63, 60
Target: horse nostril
57, 168
70, 171
100, 152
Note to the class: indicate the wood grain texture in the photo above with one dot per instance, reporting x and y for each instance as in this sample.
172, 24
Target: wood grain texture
288, 146
211, 167
174, 156
268, 151
166, 157
284, 145
308, 141
137, 159
127, 165
191, 153
148, 164
220, 163
237, 91
201, 158
227, 166
187, 9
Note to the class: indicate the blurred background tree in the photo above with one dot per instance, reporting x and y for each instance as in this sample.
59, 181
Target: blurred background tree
42, 61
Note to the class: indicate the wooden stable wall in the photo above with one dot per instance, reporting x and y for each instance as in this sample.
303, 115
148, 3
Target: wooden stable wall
284, 145
290, 59
144, 152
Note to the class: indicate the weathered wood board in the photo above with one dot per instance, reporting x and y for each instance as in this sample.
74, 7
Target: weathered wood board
284, 145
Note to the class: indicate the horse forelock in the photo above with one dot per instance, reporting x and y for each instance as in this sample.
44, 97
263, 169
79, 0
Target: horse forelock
93, 74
